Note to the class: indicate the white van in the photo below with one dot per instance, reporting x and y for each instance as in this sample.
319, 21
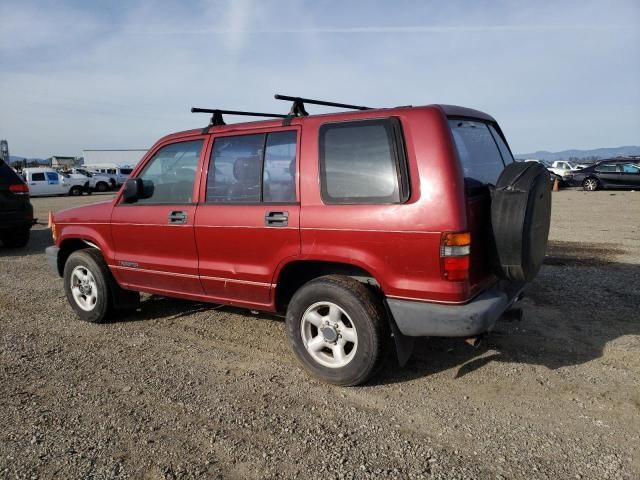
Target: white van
47, 181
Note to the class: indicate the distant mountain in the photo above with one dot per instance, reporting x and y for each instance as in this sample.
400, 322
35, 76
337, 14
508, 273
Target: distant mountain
13, 159
581, 154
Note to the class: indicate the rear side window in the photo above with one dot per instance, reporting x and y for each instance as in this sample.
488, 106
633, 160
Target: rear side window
363, 162
253, 168
479, 155
37, 177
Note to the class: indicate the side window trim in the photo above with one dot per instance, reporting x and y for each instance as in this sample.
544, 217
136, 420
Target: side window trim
209, 162
398, 152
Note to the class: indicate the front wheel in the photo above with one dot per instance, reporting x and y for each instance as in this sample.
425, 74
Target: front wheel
337, 329
75, 191
590, 184
87, 284
102, 186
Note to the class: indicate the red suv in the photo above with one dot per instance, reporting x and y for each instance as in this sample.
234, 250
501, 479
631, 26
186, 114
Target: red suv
367, 227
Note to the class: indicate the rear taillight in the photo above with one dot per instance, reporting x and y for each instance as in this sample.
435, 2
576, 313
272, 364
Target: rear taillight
454, 256
19, 189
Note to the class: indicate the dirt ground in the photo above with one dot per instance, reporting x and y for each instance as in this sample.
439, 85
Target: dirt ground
185, 390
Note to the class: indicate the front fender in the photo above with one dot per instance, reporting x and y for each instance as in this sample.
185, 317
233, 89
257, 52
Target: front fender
99, 235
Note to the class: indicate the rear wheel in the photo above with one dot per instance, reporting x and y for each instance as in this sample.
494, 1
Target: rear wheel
338, 330
590, 184
16, 238
102, 186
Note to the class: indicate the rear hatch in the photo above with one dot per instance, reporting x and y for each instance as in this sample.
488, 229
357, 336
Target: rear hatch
483, 154
14, 197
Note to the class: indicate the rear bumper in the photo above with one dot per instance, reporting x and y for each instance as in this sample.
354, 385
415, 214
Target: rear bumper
423, 319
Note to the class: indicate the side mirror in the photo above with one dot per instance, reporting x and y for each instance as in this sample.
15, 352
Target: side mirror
136, 189
131, 190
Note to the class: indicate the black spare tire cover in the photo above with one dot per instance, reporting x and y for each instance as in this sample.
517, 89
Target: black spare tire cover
520, 217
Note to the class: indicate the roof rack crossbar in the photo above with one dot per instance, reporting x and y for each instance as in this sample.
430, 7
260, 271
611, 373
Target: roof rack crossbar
216, 117
298, 110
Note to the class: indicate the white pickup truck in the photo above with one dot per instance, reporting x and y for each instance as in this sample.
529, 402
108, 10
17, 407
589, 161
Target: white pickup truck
561, 168
47, 181
97, 181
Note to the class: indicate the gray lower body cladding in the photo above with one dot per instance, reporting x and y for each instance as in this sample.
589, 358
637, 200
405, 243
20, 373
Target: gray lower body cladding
423, 319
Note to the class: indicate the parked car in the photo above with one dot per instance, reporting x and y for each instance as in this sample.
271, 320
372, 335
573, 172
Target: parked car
47, 181
365, 227
97, 181
16, 211
612, 173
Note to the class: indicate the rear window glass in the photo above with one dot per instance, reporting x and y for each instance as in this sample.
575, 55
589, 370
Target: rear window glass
7, 175
507, 158
480, 158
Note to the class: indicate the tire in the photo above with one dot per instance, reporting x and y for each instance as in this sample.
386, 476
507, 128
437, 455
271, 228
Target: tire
520, 219
75, 191
102, 186
16, 238
590, 184
356, 311
98, 298
113, 184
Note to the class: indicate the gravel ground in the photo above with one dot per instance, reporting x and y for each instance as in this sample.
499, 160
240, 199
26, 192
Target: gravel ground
187, 390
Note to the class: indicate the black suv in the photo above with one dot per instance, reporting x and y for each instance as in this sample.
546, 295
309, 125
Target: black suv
16, 212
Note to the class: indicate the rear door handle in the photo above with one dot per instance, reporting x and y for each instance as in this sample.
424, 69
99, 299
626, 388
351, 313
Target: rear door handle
276, 219
177, 216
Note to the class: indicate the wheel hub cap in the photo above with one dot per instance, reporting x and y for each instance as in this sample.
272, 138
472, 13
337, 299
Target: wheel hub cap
329, 333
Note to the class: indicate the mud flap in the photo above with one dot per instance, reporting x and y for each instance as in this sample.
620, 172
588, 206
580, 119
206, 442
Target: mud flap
404, 344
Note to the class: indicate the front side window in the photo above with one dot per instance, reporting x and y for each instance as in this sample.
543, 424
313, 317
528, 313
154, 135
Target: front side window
479, 155
170, 174
606, 168
362, 162
253, 168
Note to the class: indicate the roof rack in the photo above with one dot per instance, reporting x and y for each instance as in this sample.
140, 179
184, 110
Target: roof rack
298, 110
217, 120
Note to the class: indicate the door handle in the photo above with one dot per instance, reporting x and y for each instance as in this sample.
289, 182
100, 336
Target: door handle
177, 216
276, 219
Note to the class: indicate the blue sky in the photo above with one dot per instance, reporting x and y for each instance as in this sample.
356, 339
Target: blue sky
77, 74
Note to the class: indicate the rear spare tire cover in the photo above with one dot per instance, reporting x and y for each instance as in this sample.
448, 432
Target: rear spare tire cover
520, 217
